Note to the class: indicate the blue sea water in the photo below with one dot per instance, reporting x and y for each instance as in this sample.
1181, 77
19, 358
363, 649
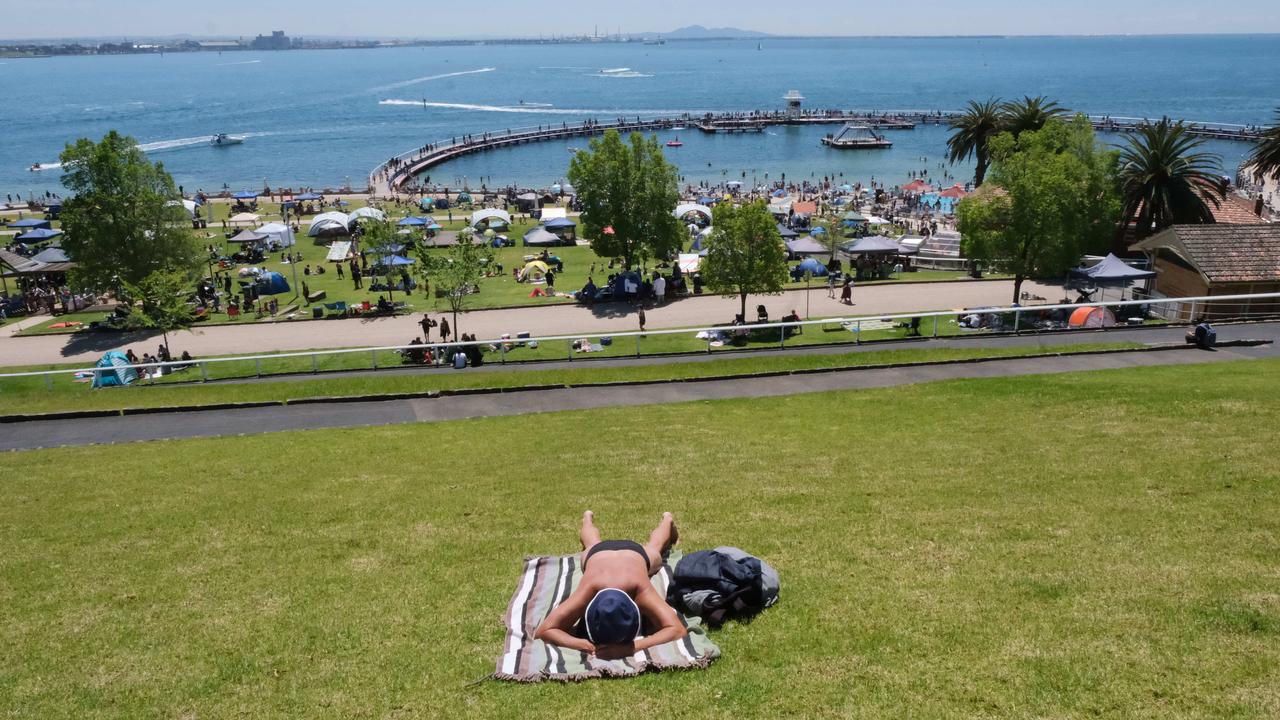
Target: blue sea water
323, 118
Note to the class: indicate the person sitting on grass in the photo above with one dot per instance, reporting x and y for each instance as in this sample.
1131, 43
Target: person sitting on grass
615, 597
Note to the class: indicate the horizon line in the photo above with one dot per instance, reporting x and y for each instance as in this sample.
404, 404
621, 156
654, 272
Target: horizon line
758, 37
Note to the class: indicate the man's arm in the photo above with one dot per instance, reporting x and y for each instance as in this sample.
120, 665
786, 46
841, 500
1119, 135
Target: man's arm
656, 608
555, 629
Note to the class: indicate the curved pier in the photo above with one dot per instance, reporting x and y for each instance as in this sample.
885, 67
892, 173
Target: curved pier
393, 175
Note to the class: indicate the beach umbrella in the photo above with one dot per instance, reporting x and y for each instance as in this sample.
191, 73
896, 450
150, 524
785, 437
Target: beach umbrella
954, 192
434, 226
779, 193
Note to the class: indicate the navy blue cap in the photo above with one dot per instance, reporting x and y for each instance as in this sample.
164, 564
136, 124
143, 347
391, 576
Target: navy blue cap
612, 617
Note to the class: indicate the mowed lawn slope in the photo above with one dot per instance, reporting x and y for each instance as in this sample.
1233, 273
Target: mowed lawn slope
1102, 544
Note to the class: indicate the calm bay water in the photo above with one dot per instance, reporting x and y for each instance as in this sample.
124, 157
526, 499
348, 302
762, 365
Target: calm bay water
319, 118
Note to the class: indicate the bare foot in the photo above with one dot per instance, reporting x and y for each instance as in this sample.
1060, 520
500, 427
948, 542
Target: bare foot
588, 516
675, 534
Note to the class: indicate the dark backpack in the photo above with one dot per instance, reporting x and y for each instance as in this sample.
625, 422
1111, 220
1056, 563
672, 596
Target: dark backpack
717, 584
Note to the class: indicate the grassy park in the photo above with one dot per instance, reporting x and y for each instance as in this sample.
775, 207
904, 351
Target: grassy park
37, 395
1053, 546
498, 291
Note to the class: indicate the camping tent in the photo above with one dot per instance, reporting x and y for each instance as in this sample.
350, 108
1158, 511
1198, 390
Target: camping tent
811, 266
552, 212
309, 196
272, 283
1092, 317
246, 195
559, 224
689, 262
243, 218
339, 251
1111, 271
786, 232
247, 236
188, 205
51, 255
30, 223
872, 245
278, 233
541, 236
39, 235
807, 246
482, 217
534, 272
330, 223
687, 208
394, 261
365, 212
117, 373
413, 221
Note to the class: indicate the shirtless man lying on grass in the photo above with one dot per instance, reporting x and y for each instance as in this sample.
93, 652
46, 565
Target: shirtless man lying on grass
615, 597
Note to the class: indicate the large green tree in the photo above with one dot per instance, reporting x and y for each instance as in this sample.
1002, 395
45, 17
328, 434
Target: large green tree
971, 135
1052, 196
1166, 180
1029, 114
745, 254
628, 191
1264, 161
119, 227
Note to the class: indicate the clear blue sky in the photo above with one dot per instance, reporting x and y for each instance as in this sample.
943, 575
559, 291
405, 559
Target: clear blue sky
522, 18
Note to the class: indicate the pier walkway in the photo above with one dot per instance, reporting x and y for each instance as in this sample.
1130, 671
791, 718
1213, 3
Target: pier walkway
398, 172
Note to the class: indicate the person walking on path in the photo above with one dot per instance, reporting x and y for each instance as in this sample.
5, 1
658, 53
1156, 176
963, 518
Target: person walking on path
427, 323
444, 329
640, 316
846, 292
659, 288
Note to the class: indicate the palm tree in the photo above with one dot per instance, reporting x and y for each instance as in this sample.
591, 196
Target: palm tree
1165, 181
1264, 162
1029, 114
971, 134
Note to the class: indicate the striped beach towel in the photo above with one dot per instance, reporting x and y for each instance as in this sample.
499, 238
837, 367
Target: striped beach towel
547, 581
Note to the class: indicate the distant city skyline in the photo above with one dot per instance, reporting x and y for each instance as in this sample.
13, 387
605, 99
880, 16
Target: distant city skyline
509, 18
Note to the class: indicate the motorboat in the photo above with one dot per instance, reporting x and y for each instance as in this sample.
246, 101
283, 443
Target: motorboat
857, 137
223, 139
675, 143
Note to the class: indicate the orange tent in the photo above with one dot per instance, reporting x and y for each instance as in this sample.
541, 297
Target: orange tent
1092, 317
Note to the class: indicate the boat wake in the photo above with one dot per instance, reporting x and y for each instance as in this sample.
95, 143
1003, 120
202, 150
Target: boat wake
527, 109
163, 145
429, 78
242, 62
621, 73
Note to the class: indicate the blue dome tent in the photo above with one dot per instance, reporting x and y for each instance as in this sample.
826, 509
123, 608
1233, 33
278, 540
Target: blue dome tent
811, 266
117, 371
272, 283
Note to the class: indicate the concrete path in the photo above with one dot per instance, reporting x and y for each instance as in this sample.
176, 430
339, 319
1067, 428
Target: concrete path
55, 433
548, 320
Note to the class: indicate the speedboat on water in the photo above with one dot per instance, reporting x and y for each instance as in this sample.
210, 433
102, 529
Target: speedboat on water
223, 139
675, 143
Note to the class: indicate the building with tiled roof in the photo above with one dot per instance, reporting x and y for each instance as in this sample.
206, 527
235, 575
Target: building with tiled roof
1216, 259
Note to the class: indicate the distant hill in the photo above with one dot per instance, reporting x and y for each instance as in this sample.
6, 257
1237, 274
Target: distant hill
698, 32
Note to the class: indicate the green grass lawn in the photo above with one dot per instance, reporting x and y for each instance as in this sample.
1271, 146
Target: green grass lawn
498, 291
1062, 546
36, 395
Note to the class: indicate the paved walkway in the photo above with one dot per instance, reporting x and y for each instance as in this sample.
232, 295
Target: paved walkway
548, 320
210, 423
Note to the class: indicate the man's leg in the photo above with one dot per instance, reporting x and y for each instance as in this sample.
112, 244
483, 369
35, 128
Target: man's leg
660, 541
589, 534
